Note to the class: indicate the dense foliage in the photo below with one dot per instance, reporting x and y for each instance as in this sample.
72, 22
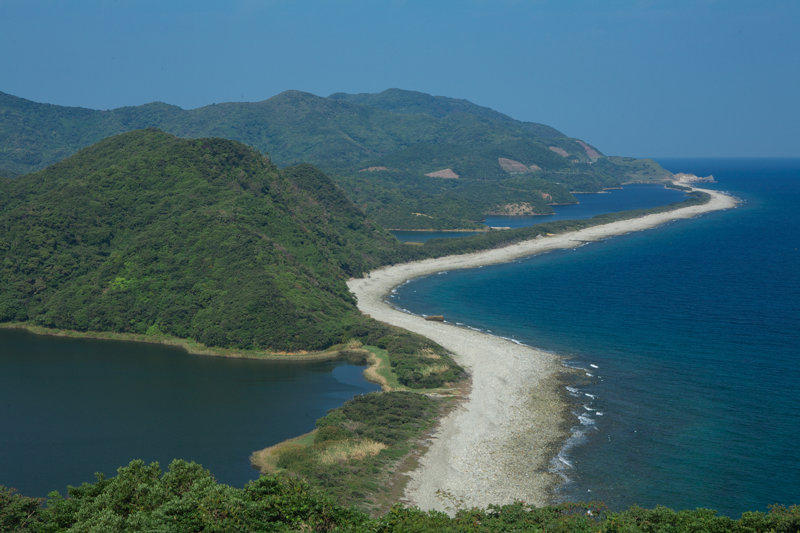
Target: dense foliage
293, 127
206, 239
203, 239
358, 446
409, 133
187, 499
184, 499
401, 199
498, 239
417, 362
384, 417
414, 102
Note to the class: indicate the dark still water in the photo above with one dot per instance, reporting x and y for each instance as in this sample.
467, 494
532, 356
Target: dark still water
70, 408
636, 196
425, 236
691, 334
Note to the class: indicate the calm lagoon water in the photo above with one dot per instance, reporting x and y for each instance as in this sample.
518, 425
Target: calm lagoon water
691, 334
73, 407
637, 196
425, 236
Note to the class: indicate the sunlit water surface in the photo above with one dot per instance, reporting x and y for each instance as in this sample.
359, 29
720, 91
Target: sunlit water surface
689, 340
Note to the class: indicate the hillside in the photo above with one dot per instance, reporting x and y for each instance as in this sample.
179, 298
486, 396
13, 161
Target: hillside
203, 239
408, 136
293, 127
410, 102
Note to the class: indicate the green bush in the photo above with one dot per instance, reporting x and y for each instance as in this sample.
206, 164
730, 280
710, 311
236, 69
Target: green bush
186, 498
331, 433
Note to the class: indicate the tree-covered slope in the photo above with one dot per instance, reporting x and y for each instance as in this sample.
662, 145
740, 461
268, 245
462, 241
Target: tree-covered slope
34, 135
293, 127
409, 102
202, 239
405, 134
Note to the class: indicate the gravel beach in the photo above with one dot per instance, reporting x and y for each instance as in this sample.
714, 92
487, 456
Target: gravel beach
496, 447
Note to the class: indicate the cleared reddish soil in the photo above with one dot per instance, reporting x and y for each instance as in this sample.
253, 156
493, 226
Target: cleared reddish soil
446, 173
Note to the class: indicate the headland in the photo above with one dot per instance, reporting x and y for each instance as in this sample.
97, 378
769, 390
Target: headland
498, 445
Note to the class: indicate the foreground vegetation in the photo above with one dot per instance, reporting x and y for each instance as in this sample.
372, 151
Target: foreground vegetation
358, 451
186, 498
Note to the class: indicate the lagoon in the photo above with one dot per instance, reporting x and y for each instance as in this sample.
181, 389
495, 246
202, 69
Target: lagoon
73, 407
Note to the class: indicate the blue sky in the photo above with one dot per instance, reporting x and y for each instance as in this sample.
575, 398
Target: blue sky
639, 78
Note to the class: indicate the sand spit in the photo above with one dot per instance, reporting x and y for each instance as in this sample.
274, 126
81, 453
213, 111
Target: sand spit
497, 446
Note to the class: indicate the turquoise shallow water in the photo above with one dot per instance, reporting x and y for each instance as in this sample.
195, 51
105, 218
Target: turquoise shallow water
70, 408
693, 331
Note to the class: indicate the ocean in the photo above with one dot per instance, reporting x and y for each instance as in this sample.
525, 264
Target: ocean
688, 341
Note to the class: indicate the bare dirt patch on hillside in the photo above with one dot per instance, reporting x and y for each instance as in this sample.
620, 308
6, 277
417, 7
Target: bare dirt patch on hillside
446, 173
512, 167
591, 152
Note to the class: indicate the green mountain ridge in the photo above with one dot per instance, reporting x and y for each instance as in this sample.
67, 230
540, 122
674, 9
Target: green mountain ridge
410, 102
409, 133
335, 132
204, 239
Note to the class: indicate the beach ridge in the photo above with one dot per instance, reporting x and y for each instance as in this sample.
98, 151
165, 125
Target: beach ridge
498, 445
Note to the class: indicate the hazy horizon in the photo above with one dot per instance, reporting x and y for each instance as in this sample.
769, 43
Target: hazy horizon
654, 78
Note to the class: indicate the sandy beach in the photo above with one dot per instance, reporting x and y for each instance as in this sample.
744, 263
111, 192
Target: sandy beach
498, 445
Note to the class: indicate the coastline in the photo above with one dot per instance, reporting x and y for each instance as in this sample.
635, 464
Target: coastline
497, 446
477, 230
189, 345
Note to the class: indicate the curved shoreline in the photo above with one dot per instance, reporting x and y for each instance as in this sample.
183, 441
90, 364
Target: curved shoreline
497, 446
190, 346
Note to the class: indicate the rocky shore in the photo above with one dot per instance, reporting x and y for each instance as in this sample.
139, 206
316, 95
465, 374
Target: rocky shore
497, 446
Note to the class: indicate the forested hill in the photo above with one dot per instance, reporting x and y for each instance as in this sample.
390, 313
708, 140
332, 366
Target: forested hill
293, 127
410, 102
410, 160
203, 239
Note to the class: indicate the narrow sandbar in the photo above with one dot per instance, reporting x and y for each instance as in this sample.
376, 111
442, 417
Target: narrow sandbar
497, 446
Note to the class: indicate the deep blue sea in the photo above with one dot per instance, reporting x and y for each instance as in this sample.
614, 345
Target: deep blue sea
689, 337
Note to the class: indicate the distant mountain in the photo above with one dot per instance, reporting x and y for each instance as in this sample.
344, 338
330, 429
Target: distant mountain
205, 239
410, 102
292, 127
389, 151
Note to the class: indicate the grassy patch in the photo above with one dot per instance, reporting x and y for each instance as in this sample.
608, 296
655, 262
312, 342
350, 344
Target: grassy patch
266, 460
433, 370
350, 450
360, 449
380, 370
